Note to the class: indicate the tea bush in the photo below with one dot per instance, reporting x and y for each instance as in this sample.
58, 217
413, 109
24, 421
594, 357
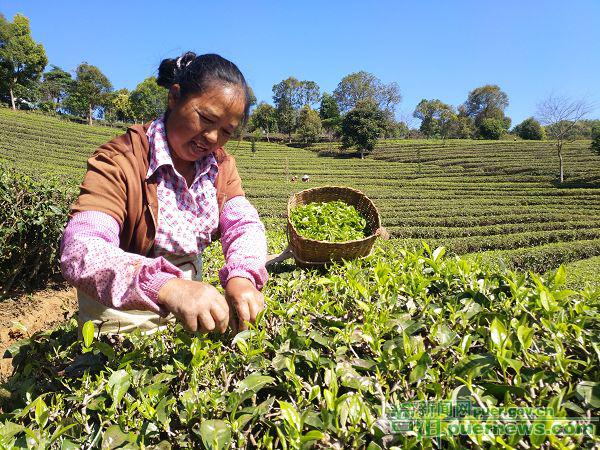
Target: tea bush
329, 356
32, 219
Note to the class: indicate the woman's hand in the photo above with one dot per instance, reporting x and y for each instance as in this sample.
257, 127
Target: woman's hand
198, 306
244, 300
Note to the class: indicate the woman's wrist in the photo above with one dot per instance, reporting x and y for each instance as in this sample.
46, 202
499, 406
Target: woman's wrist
165, 291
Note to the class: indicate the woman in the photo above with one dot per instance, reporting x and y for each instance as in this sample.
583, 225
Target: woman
154, 198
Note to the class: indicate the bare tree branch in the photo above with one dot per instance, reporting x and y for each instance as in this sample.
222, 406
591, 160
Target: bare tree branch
562, 113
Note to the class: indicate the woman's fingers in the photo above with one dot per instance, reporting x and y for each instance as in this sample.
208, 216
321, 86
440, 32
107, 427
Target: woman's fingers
220, 313
256, 305
243, 312
189, 321
206, 323
233, 321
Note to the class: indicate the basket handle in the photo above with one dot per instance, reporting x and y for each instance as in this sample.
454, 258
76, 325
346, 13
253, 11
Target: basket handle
273, 259
382, 233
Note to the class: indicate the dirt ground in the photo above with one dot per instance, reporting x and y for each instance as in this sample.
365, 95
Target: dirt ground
40, 311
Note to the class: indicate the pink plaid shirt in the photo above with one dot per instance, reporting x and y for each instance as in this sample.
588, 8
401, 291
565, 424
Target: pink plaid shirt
186, 216
92, 261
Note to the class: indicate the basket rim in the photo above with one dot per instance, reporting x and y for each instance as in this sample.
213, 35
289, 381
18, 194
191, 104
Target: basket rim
317, 188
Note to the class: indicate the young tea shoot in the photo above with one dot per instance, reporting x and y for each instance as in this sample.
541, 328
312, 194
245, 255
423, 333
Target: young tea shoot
329, 221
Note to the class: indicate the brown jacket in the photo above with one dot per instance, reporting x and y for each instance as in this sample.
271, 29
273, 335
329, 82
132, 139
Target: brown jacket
115, 183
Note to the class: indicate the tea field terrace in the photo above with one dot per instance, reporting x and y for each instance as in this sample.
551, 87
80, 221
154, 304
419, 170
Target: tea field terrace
471, 196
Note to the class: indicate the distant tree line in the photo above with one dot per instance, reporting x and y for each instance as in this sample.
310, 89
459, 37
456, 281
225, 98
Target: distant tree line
360, 110
87, 93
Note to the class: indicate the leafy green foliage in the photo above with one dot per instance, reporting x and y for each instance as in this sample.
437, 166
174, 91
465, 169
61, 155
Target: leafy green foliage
148, 100
329, 108
327, 356
333, 221
32, 218
264, 117
54, 87
584, 273
530, 129
289, 96
492, 129
309, 125
484, 102
595, 145
22, 61
89, 91
119, 107
434, 116
485, 105
360, 87
362, 126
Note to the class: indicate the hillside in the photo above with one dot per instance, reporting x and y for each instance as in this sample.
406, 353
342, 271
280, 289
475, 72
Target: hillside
337, 355
471, 196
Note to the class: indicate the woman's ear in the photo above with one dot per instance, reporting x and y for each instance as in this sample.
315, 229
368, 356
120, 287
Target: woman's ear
174, 95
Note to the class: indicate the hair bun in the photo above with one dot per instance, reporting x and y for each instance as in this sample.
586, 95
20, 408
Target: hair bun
167, 72
170, 69
184, 60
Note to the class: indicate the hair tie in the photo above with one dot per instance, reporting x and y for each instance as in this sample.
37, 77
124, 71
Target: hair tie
178, 62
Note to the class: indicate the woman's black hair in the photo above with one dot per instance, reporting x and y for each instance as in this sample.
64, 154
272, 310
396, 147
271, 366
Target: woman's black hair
195, 74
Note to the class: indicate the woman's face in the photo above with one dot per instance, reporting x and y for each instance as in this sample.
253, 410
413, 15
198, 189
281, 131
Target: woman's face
198, 125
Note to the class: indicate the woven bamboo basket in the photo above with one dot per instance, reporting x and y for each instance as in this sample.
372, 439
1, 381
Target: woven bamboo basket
310, 252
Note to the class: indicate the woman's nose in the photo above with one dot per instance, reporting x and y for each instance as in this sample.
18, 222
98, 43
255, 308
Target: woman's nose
212, 136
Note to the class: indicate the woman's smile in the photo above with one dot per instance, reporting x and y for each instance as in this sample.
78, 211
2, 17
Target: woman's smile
199, 149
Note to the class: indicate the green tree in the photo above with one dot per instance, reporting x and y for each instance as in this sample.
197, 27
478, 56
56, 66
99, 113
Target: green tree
364, 86
252, 99
595, 146
285, 97
529, 129
400, 131
354, 88
388, 96
148, 100
54, 87
389, 125
22, 61
264, 117
289, 96
308, 94
435, 117
309, 125
487, 102
484, 100
119, 108
329, 108
329, 112
361, 127
89, 92
492, 129
448, 124
460, 127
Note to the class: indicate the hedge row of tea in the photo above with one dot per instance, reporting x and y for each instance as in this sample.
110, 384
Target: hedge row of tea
32, 219
330, 362
470, 196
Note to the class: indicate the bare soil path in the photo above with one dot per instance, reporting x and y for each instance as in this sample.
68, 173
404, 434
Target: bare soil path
42, 310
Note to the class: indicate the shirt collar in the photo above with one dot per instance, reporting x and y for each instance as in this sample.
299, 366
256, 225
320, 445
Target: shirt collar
160, 153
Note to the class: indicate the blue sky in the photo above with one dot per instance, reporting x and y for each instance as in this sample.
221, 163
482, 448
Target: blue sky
431, 48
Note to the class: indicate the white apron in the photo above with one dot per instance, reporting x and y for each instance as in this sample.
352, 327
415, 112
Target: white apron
113, 321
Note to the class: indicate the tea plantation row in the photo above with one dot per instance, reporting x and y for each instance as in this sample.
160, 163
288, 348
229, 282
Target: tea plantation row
471, 196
